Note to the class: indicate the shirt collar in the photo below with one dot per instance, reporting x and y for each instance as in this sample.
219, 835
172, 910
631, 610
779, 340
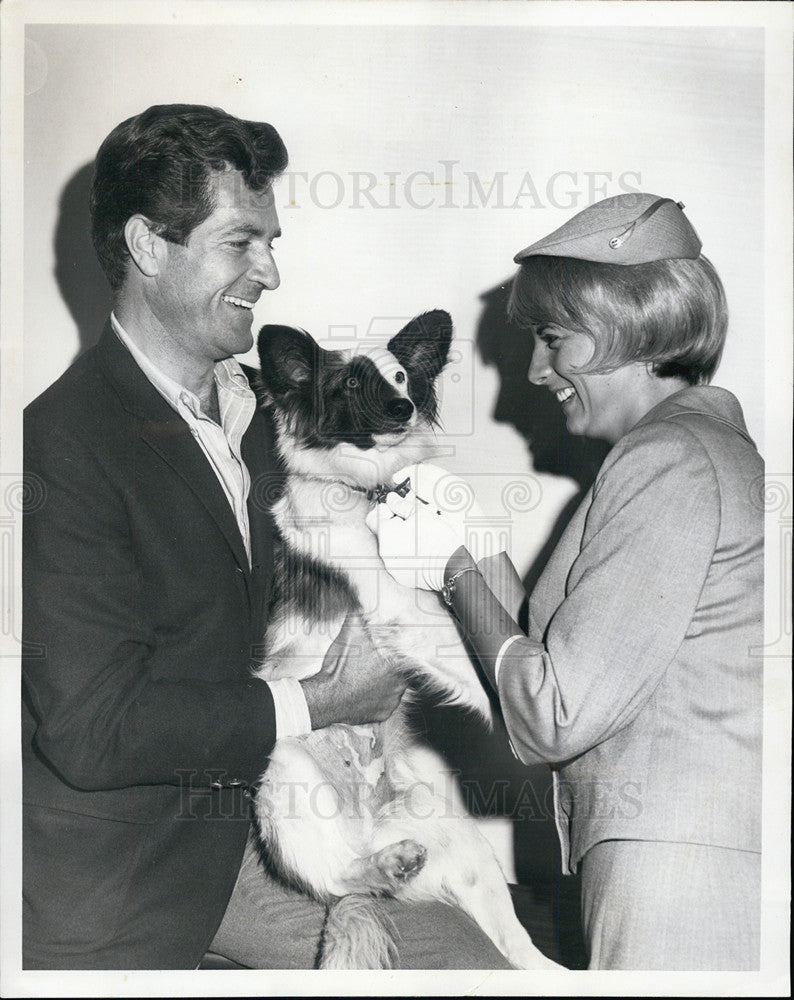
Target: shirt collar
229, 376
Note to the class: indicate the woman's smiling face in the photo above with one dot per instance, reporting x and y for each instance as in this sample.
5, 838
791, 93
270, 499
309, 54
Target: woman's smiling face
596, 404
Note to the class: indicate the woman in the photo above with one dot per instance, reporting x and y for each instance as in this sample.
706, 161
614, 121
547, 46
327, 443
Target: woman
640, 681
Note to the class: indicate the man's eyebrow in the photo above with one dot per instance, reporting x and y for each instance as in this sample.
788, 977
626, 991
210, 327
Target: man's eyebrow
247, 229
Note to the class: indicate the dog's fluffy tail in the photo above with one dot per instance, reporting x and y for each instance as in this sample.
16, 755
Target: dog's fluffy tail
357, 935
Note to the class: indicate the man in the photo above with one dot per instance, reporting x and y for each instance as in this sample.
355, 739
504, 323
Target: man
147, 571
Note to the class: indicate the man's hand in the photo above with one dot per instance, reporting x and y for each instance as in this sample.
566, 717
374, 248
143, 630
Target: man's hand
355, 685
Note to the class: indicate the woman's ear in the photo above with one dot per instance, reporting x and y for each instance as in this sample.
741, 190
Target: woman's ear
143, 245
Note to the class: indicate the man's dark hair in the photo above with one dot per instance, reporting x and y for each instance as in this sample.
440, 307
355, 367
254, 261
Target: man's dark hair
160, 164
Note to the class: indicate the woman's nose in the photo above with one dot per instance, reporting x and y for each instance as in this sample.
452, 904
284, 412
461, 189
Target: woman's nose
539, 367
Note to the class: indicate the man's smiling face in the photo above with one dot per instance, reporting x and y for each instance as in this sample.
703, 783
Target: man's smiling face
206, 289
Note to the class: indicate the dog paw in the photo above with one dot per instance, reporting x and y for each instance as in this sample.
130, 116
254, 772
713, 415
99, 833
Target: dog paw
402, 860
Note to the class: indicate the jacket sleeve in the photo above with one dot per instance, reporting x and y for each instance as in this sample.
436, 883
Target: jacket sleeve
631, 595
114, 706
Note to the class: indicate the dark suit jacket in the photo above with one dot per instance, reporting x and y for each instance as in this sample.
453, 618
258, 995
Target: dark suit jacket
141, 618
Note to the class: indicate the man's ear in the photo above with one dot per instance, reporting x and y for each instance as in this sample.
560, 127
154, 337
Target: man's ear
144, 245
423, 344
288, 358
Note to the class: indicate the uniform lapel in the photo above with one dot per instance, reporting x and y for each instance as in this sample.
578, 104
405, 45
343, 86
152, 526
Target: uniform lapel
163, 430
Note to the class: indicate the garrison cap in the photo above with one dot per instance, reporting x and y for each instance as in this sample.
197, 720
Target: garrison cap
633, 228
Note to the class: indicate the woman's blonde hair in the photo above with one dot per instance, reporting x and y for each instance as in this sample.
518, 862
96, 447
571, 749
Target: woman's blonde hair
671, 314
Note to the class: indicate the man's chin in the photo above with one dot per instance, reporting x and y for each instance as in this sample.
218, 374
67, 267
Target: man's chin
243, 340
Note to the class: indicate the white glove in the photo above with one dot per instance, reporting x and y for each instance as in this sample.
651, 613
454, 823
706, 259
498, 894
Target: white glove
418, 533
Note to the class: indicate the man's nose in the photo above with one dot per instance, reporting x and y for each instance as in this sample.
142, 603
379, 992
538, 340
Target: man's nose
539, 367
264, 270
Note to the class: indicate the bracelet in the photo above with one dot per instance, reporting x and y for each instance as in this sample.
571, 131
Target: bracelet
449, 587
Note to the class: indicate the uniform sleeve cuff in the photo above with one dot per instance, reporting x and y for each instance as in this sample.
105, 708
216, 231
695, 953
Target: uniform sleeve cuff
292, 712
500, 655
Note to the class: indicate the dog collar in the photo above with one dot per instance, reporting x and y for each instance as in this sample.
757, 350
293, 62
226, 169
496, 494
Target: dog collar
379, 493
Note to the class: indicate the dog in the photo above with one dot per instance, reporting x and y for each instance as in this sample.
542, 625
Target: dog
350, 813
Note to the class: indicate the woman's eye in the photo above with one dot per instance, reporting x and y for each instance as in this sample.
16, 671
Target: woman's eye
551, 340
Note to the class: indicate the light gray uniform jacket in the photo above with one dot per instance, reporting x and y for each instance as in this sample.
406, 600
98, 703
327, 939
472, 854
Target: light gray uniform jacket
642, 685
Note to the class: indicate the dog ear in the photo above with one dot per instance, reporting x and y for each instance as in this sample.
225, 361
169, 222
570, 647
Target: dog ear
288, 358
423, 344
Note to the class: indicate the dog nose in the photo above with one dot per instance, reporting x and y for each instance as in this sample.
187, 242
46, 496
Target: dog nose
400, 409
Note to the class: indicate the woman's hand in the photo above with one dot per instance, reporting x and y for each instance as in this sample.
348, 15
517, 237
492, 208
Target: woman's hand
417, 534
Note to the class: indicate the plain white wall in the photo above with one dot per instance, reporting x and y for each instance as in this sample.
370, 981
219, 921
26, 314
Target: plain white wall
564, 115
557, 116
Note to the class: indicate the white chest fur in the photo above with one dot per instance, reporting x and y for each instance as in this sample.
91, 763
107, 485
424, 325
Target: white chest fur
324, 520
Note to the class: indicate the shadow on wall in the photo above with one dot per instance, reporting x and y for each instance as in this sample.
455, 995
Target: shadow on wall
534, 413
493, 782
80, 279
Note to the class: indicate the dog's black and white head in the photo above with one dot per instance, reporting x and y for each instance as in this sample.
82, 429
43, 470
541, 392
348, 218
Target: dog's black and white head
358, 415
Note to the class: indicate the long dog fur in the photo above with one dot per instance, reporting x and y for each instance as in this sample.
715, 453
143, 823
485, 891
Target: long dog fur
351, 813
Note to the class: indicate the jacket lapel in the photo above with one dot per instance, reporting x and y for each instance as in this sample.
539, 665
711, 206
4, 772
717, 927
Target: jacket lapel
163, 430
259, 454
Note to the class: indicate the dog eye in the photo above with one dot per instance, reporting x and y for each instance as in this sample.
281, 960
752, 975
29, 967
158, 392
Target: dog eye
351, 382
399, 377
